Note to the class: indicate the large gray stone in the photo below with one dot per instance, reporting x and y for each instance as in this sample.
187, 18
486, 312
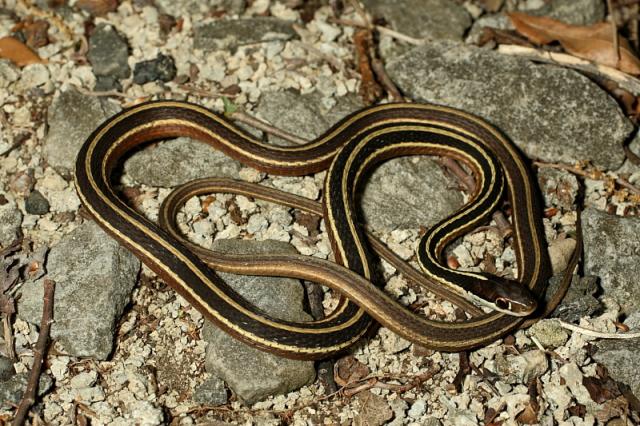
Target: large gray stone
6, 369
12, 389
579, 301
211, 392
406, 193
72, 117
177, 161
10, 222
250, 373
94, 277
230, 34
612, 252
108, 53
304, 116
551, 113
621, 358
430, 19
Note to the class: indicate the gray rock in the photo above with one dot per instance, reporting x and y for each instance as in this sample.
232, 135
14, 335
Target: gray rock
621, 358
72, 117
612, 253
6, 369
12, 390
528, 102
229, 35
178, 8
576, 12
10, 222
549, 333
108, 53
250, 373
579, 301
94, 277
303, 115
177, 161
36, 203
162, 68
9, 73
628, 167
521, 368
211, 392
406, 193
430, 19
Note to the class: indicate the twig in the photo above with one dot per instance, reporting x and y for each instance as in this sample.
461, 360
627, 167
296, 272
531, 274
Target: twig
598, 334
585, 173
38, 354
372, 61
625, 81
374, 382
382, 30
614, 29
8, 337
633, 26
370, 90
385, 80
362, 14
266, 127
315, 296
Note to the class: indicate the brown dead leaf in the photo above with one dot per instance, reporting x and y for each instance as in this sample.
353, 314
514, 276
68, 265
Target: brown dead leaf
492, 5
601, 390
18, 52
97, 7
35, 31
349, 370
593, 42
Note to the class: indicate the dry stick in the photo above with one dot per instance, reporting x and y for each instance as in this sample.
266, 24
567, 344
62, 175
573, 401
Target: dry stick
266, 127
598, 334
385, 80
614, 28
38, 354
375, 63
382, 30
620, 181
633, 26
625, 81
8, 337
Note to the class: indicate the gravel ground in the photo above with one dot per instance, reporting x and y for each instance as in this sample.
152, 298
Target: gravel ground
128, 350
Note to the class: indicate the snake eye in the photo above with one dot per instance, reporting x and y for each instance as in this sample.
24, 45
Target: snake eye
502, 303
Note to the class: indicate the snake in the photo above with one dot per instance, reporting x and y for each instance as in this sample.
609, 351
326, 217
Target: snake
348, 152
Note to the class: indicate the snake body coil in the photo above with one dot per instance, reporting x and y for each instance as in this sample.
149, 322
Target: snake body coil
348, 150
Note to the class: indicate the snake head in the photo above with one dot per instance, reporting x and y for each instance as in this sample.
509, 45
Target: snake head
508, 296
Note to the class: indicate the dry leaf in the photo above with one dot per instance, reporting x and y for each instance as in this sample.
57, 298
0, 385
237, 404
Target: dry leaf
18, 52
97, 7
349, 370
594, 42
35, 31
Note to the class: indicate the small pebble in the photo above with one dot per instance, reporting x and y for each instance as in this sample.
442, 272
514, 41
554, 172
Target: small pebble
36, 203
162, 68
